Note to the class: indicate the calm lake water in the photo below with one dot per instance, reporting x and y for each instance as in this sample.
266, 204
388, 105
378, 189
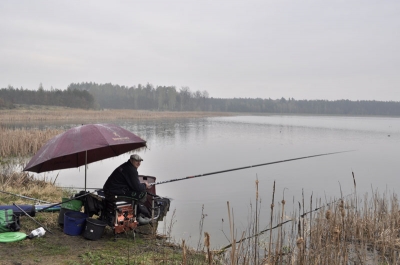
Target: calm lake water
181, 148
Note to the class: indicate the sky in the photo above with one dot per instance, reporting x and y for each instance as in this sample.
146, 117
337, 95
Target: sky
299, 49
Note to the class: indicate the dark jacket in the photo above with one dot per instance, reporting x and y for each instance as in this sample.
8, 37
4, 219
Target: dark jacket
124, 180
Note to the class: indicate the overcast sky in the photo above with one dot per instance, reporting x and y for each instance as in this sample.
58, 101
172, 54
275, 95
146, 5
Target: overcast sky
269, 49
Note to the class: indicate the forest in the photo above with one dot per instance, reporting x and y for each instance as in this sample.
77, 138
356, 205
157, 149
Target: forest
89, 95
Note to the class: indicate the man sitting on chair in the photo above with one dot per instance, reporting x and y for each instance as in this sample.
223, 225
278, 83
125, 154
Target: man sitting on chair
124, 181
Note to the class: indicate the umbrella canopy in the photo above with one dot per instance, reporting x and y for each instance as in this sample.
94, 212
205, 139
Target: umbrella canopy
83, 145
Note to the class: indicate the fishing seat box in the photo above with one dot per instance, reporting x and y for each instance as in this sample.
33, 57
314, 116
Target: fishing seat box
120, 214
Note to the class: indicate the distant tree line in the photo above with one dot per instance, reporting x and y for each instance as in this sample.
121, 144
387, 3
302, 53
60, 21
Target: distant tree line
144, 97
54, 97
292, 106
91, 95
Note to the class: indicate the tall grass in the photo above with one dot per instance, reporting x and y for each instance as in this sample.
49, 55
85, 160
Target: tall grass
58, 113
23, 142
351, 230
25, 184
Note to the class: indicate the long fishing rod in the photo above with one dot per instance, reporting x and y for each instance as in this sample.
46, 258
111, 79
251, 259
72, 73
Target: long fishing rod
240, 168
25, 197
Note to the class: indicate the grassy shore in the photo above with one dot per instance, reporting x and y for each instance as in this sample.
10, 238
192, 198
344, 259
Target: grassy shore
56, 247
350, 230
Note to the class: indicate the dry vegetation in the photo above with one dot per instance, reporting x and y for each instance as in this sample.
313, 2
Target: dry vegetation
44, 113
23, 142
25, 184
350, 230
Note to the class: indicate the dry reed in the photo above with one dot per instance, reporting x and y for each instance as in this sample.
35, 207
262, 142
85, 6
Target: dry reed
64, 114
27, 185
184, 254
337, 233
207, 245
23, 142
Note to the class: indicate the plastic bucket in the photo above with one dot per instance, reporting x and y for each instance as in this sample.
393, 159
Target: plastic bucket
61, 215
94, 229
74, 222
75, 205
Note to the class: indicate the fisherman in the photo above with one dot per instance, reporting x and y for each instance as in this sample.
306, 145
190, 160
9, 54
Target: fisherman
124, 181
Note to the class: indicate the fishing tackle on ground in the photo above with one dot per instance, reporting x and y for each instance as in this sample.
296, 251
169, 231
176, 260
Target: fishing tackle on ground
33, 219
37, 233
76, 197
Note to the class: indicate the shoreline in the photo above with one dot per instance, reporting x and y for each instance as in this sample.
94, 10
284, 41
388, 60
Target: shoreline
38, 114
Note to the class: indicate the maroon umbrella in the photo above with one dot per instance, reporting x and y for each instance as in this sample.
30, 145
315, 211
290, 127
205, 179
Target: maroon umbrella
83, 145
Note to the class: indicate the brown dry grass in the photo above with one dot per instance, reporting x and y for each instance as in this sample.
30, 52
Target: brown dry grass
351, 230
23, 142
40, 113
26, 184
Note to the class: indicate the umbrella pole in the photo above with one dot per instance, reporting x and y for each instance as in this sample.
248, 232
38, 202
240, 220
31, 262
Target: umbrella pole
85, 167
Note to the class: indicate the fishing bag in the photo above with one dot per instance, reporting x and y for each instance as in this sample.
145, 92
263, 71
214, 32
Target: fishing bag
9, 222
92, 206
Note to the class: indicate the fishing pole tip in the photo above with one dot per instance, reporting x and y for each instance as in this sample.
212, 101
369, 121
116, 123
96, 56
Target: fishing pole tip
346, 151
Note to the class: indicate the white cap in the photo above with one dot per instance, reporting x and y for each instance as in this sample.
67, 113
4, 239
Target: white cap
136, 157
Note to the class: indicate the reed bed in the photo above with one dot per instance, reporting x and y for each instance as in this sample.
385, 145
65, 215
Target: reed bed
23, 142
351, 230
62, 114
